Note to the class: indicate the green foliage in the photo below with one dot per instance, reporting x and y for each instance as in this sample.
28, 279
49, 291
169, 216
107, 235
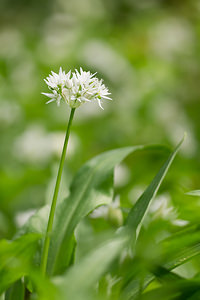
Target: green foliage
182, 289
80, 280
116, 265
139, 209
91, 187
16, 291
111, 259
148, 54
159, 260
16, 259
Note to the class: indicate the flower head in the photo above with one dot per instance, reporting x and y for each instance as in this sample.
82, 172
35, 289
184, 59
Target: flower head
76, 88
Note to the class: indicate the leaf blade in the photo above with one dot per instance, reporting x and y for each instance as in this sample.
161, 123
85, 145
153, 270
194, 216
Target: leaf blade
138, 211
96, 180
16, 258
16, 291
82, 277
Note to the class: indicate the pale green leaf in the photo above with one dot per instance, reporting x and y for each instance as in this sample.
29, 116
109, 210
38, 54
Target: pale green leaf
82, 277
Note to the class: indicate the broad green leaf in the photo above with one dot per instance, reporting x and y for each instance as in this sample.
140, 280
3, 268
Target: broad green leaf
41, 288
194, 193
82, 277
16, 291
139, 210
16, 258
44, 289
91, 187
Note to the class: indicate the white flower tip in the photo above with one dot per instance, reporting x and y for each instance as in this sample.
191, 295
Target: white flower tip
50, 101
108, 98
99, 102
69, 73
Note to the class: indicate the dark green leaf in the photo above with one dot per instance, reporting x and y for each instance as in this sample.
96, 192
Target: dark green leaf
16, 291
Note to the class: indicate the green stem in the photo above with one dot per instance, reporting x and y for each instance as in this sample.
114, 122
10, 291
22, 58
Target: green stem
55, 196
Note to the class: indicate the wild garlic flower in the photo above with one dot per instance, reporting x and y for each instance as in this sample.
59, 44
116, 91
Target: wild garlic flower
111, 212
76, 88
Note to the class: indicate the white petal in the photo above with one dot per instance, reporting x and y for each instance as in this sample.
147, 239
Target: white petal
48, 95
106, 97
99, 102
50, 101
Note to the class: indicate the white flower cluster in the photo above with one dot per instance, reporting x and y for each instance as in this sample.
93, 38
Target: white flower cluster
76, 88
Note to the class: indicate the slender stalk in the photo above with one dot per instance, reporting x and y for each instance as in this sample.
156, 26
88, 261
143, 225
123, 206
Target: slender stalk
55, 196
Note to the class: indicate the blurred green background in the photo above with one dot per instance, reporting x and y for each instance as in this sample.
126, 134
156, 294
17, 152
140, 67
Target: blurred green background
147, 52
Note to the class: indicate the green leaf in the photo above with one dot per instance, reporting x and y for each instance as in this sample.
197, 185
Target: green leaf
16, 291
178, 249
43, 286
82, 277
182, 289
164, 275
91, 187
138, 211
181, 247
16, 258
37, 223
194, 296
